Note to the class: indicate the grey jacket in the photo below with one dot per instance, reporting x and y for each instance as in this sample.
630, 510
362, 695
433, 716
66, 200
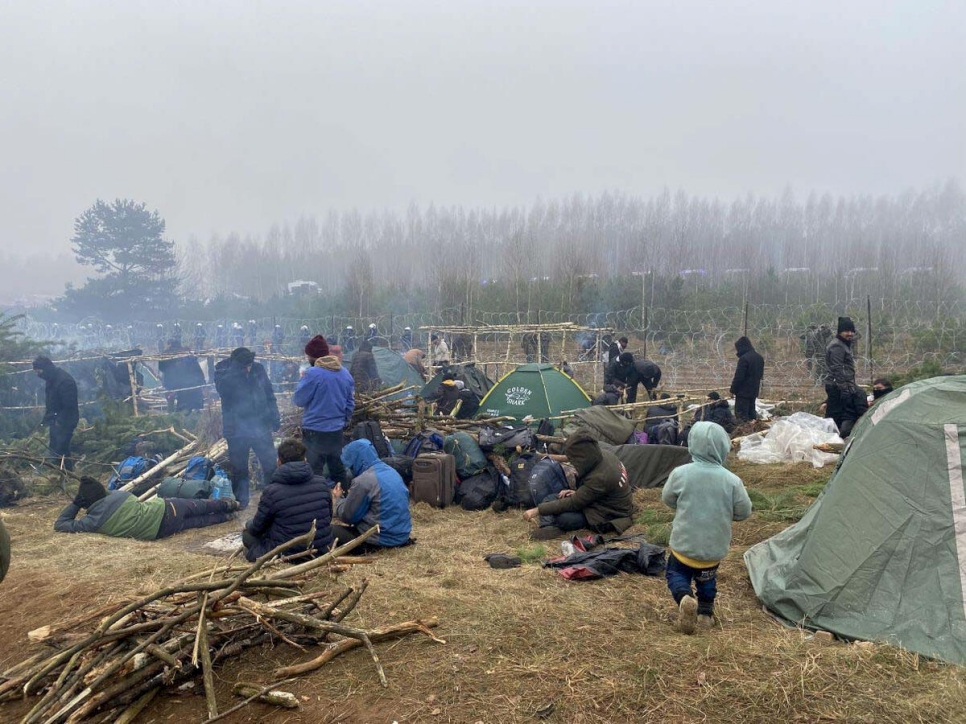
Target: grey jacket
840, 364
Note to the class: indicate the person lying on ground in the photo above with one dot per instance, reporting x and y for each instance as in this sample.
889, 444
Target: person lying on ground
602, 501
292, 500
706, 498
378, 496
121, 515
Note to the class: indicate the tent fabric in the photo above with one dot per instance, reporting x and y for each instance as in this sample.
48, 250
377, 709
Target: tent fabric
392, 369
472, 376
535, 390
649, 466
881, 554
605, 424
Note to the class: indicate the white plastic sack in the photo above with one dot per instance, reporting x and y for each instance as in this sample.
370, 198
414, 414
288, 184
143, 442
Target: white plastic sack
792, 439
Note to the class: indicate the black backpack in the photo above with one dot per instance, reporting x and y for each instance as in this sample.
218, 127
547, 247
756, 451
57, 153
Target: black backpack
546, 478
402, 464
509, 438
371, 430
518, 494
479, 492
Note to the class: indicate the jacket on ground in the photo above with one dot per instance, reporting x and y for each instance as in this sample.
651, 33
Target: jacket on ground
750, 370
603, 487
119, 514
248, 406
288, 505
60, 395
378, 496
705, 497
327, 392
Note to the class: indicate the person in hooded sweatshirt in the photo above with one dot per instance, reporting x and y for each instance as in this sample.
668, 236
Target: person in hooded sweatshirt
363, 369
747, 380
62, 413
602, 501
706, 498
295, 497
327, 393
378, 496
249, 416
121, 515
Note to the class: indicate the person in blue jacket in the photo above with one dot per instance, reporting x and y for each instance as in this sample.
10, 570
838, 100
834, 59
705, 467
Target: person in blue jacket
327, 392
378, 496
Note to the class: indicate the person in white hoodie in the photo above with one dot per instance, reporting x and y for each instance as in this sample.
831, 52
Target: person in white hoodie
706, 498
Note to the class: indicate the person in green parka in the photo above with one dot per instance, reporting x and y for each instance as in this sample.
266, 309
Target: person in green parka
121, 515
602, 501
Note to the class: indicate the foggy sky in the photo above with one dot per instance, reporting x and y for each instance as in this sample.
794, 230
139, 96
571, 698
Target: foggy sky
234, 115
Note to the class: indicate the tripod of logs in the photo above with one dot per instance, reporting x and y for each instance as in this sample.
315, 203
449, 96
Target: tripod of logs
109, 664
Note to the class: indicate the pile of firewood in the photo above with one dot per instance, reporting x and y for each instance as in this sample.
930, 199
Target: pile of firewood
109, 664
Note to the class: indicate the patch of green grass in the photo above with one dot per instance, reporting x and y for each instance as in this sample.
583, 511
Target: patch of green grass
782, 506
532, 554
813, 490
658, 533
648, 516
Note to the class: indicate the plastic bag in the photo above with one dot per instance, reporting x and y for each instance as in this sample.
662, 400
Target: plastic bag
792, 439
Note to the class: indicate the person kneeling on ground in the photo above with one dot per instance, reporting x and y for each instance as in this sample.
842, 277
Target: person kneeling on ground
378, 496
705, 498
121, 515
289, 504
602, 501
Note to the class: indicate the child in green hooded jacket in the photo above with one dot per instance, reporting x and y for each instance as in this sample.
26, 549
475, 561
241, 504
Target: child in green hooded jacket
706, 498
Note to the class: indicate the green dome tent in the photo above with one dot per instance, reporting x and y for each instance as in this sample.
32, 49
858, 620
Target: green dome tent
537, 390
472, 376
881, 554
392, 369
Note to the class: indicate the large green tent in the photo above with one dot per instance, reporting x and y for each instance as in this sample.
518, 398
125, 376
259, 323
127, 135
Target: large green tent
472, 376
881, 554
393, 369
535, 390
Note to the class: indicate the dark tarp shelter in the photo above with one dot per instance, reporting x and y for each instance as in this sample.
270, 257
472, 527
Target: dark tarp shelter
472, 376
649, 466
393, 370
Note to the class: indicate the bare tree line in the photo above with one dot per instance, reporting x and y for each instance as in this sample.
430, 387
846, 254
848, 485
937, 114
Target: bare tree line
912, 245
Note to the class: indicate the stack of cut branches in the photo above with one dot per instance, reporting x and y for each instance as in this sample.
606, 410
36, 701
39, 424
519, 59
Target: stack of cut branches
108, 665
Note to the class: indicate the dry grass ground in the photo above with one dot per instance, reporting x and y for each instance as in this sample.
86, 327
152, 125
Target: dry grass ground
523, 644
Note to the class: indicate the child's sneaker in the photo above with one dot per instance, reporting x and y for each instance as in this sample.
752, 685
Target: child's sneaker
705, 621
687, 615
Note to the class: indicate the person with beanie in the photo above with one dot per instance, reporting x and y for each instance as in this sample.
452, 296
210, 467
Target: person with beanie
706, 498
326, 392
846, 402
746, 384
121, 515
602, 501
292, 501
378, 496
249, 416
62, 413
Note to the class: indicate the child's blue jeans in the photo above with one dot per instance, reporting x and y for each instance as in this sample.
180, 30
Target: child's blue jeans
679, 577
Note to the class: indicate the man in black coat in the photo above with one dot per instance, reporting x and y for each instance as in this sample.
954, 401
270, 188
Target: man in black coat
62, 414
846, 400
295, 498
249, 415
747, 380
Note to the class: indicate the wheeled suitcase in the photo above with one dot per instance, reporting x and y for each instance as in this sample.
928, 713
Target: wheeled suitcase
434, 479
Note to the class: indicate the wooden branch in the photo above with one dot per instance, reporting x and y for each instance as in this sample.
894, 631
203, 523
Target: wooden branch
137, 707
201, 642
283, 699
248, 701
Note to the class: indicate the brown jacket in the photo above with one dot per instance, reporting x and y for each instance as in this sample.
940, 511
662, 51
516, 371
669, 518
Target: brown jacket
603, 487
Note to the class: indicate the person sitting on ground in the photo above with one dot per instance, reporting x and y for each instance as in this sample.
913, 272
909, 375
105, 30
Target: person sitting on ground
447, 397
880, 388
378, 496
121, 515
610, 396
661, 415
718, 411
566, 369
705, 498
295, 497
602, 501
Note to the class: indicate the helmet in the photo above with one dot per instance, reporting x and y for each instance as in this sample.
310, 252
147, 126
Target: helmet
221, 326
201, 325
372, 326
108, 328
348, 326
304, 328
251, 321
159, 325
408, 329
278, 326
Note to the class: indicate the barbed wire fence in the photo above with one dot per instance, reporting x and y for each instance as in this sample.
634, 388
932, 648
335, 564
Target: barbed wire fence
694, 347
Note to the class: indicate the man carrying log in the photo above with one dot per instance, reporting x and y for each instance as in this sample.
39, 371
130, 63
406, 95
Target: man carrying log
121, 515
249, 415
62, 414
